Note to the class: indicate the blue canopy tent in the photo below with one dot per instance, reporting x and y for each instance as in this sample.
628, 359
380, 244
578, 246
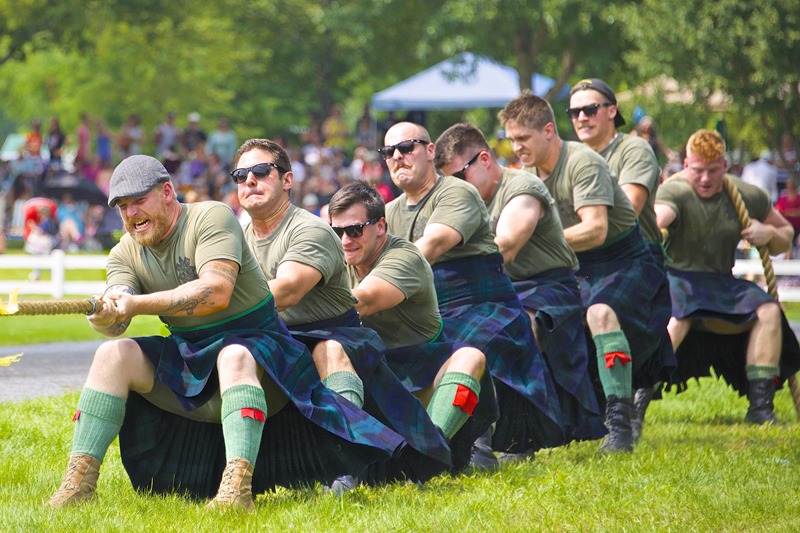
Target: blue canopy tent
463, 82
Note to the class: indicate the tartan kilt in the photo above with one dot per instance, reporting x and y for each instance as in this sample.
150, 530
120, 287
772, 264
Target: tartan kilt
193, 353
385, 396
163, 452
663, 300
555, 300
480, 308
624, 276
704, 295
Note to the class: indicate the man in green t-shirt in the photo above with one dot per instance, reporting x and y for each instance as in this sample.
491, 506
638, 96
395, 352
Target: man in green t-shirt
619, 278
447, 220
709, 305
541, 265
303, 262
175, 401
393, 284
595, 116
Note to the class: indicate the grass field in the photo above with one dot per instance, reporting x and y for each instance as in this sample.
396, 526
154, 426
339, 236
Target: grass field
697, 468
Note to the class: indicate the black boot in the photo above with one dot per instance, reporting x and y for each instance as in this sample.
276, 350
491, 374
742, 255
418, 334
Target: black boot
761, 394
641, 399
483, 458
618, 421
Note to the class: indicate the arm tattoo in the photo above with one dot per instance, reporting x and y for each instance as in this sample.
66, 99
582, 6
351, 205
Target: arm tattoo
186, 303
119, 329
222, 270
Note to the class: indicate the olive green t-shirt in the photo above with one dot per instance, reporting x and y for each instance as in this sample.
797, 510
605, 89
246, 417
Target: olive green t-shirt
704, 235
631, 160
205, 231
581, 178
305, 238
452, 202
546, 249
416, 319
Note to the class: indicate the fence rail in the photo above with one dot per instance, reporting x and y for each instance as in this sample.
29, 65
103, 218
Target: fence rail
58, 263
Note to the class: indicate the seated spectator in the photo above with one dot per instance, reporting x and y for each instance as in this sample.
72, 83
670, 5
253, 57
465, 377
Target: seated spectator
71, 223
39, 233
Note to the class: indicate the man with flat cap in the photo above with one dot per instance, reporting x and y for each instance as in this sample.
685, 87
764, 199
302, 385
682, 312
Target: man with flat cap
595, 116
191, 408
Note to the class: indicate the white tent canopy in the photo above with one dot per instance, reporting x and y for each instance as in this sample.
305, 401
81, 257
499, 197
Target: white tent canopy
463, 82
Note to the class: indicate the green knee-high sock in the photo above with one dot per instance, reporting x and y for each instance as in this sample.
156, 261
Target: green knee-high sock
616, 379
244, 411
97, 422
451, 405
346, 384
761, 372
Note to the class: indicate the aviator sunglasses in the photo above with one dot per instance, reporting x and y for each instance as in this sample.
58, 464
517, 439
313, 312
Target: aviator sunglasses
405, 147
260, 171
588, 110
354, 231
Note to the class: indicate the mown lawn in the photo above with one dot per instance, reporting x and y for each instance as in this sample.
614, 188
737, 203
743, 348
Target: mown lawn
697, 468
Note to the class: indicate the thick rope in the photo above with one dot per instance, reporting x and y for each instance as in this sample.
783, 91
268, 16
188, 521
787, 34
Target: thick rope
769, 273
54, 307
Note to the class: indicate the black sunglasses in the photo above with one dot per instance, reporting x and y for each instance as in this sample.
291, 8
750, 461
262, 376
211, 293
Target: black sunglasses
461, 173
588, 110
354, 231
260, 171
405, 147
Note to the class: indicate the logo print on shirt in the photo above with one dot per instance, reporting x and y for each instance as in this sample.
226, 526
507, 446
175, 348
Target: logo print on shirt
186, 272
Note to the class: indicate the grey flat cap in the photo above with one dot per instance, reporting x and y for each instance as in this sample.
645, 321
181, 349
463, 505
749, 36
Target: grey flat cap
135, 176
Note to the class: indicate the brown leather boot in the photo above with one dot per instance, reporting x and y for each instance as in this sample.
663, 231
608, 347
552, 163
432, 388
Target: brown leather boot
79, 483
235, 490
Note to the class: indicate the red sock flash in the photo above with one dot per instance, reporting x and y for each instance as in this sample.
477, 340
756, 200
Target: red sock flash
465, 399
611, 358
255, 414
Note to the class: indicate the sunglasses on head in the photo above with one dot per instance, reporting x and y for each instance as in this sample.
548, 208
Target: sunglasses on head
260, 171
353, 231
588, 110
405, 147
461, 173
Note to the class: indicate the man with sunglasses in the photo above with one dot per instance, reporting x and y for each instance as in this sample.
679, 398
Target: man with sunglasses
393, 284
303, 262
541, 265
619, 278
596, 117
194, 407
447, 220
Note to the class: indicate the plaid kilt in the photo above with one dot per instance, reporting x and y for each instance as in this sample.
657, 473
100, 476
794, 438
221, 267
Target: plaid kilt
146, 438
417, 366
703, 295
555, 299
624, 276
385, 396
480, 308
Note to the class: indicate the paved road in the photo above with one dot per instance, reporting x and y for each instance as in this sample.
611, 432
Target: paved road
45, 369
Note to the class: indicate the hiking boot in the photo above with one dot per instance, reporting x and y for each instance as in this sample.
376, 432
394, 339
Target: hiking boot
79, 483
618, 422
342, 484
761, 394
483, 458
641, 399
235, 489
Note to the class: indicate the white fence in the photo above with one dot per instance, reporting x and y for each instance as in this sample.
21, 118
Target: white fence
58, 263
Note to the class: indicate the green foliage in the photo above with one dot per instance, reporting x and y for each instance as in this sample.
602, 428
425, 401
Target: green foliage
696, 468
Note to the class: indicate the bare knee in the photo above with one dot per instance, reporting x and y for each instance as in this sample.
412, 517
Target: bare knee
119, 366
769, 314
329, 357
601, 319
467, 360
235, 359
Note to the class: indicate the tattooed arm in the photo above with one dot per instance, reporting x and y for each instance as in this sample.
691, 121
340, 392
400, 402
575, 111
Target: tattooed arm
107, 319
210, 293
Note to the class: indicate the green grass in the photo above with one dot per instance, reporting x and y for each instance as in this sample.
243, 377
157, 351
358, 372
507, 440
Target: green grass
697, 468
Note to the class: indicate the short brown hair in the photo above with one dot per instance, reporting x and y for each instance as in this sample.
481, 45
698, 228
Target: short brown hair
279, 155
708, 145
358, 192
456, 140
529, 111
